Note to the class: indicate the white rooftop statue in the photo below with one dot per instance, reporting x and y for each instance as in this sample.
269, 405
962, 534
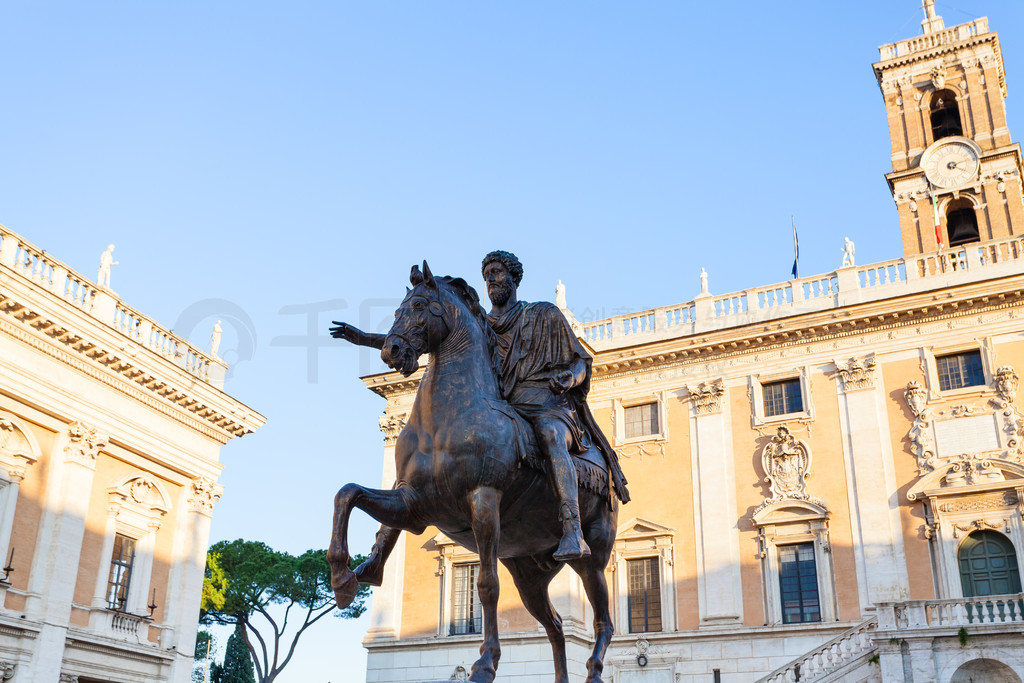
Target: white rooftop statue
560, 296
703, 281
215, 339
106, 260
848, 250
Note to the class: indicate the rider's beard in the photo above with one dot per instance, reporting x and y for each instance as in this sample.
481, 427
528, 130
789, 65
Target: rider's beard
501, 292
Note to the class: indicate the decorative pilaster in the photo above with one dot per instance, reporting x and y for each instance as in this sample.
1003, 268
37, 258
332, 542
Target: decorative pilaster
716, 530
188, 565
54, 568
871, 485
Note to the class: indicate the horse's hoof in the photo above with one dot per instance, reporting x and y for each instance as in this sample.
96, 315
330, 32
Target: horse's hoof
370, 572
482, 674
345, 589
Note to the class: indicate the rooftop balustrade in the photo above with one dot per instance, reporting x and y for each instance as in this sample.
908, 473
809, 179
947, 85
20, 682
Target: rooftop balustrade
953, 34
843, 287
35, 265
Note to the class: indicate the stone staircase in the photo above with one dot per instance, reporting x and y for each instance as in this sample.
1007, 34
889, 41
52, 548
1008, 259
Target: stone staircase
847, 657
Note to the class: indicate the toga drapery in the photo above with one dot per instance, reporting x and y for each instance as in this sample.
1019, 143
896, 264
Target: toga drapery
535, 343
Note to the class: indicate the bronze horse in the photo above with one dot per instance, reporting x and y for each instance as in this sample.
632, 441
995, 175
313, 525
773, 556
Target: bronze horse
459, 469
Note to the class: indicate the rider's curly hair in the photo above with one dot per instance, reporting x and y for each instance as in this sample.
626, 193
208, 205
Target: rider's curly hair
507, 259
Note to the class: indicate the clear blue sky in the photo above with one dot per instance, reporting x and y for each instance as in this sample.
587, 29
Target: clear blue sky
267, 155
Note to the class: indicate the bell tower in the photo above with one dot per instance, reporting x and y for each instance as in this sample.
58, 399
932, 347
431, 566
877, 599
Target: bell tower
956, 174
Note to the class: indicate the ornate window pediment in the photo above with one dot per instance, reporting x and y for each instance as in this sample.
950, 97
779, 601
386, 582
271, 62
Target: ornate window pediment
452, 556
19, 449
790, 517
643, 540
648, 441
139, 503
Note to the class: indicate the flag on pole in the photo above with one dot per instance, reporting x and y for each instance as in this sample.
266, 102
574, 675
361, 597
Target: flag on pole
796, 251
938, 224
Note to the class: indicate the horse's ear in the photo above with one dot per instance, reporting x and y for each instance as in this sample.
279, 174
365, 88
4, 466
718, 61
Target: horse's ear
415, 276
428, 277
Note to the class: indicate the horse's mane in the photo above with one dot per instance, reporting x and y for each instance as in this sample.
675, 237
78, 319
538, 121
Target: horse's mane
471, 299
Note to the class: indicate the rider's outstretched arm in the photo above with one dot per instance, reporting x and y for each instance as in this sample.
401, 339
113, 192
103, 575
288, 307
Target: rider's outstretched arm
356, 336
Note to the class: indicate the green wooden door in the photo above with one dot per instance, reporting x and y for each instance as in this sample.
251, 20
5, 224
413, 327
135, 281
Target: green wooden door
988, 565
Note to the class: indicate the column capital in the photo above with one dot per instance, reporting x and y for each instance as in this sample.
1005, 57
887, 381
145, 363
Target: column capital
392, 425
84, 443
203, 494
707, 397
856, 373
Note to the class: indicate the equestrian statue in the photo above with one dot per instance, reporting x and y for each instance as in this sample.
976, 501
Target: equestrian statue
500, 452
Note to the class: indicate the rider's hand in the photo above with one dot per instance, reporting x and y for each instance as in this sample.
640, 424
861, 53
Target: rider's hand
562, 382
347, 332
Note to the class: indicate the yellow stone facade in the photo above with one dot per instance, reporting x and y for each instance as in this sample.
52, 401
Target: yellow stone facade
885, 471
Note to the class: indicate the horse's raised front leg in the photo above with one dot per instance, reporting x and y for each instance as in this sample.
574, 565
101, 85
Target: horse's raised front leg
395, 508
371, 571
532, 582
591, 572
484, 504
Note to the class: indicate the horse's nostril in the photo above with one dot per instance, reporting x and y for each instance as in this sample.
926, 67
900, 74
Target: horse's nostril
395, 351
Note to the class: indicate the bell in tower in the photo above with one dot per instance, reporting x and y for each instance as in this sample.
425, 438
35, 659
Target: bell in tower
956, 174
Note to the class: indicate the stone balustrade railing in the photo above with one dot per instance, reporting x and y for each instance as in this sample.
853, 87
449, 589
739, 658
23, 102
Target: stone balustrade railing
953, 34
841, 650
35, 265
953, 613
843, 287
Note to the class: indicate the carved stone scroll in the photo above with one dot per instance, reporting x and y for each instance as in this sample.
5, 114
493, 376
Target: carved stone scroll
916, 397
787, 463
1006, 383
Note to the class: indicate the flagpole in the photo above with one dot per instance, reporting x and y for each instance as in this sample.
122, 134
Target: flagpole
796, 251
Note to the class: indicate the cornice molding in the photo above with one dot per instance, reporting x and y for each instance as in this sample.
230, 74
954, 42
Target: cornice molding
778, 336
118, 370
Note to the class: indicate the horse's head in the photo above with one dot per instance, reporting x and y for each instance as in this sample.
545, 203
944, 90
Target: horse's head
420, 324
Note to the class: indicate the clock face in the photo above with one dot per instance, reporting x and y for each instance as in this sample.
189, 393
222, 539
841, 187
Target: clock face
950, 163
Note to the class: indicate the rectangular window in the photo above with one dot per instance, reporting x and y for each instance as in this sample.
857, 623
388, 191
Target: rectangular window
798, 579
959, 370
782, 398
120, 571
644, 595
466, 614
641, 420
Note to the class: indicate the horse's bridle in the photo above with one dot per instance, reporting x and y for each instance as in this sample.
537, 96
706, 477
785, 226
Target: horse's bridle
435, 308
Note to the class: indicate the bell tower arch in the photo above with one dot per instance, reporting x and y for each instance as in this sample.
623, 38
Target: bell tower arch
952, 154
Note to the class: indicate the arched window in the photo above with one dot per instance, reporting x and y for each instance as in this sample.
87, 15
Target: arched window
988, 565
945, 115
961, 222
